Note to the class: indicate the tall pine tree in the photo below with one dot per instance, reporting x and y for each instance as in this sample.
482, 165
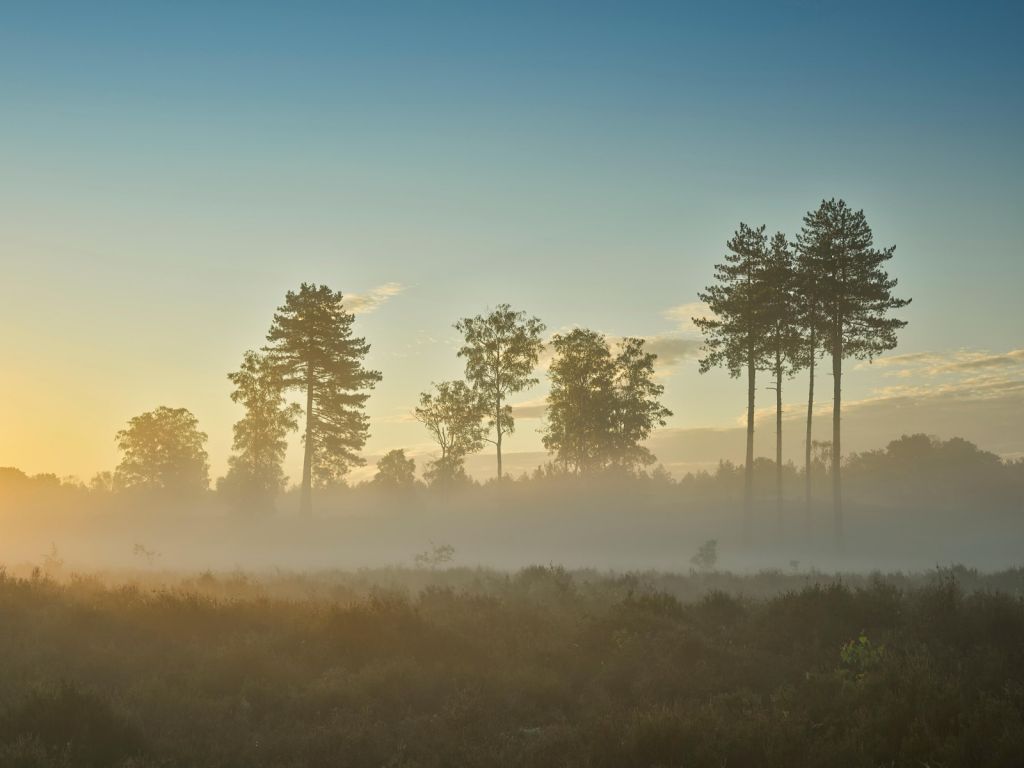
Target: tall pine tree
734, 335
782, 337
312, 347
856, 299
811, 246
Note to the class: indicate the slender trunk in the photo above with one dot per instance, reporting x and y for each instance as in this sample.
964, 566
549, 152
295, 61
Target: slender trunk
306, 499
748, 478
778, 438
498, 429
497, 405
809, 441
837, 454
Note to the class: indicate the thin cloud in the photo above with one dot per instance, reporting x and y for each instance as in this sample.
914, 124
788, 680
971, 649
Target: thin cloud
365, 303
961, 360
671, 349
929, 378
683, 314
530, 409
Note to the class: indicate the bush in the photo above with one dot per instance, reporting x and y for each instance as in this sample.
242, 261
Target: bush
544, 667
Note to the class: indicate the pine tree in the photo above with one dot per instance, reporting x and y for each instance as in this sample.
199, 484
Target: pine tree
501, 351
782, 336
312, 347
734, 336
811, 245
856, 299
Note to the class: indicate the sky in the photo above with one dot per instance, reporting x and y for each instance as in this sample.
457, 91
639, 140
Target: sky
170, 170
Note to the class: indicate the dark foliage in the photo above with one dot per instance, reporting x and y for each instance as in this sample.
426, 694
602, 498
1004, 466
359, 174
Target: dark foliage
544, 667
66, 726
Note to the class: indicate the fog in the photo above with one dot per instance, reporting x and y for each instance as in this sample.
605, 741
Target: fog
918, 503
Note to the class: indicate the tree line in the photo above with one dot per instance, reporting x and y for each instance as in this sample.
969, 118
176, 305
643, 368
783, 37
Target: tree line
776, 306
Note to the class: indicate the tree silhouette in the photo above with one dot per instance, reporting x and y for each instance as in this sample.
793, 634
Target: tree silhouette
579, 410
810, 248
395, 472
601, 406
783, 343
636, 408
164, 450
255, 475
856, 298
453, 415
734, 336
312, 347
501, 351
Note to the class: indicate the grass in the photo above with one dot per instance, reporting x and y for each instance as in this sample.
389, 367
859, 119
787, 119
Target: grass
540, 667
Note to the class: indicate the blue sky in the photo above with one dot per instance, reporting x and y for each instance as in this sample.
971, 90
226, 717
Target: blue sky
171, 169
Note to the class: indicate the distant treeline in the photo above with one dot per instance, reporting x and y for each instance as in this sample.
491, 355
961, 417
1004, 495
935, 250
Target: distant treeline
913, 471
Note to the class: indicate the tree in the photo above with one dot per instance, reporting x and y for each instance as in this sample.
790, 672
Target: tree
582, 377
501, 351
453, 415
734, 335
395, 472
706, 557
636, 408
163, 450
102, 482
312, 348
255, 473
783, 343
856, 299
601, 406
812, 323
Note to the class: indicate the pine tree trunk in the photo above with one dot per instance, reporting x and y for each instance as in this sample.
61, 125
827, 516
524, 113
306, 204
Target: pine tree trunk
306, 499
837, 454
809, 442
748, 478
778, 438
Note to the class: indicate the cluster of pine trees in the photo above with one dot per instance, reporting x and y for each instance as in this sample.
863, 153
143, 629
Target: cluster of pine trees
778, 306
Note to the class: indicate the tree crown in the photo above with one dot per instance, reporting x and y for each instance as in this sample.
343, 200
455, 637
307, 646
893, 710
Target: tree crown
163, 449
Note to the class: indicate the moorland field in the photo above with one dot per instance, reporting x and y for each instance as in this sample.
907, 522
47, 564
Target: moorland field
540, 666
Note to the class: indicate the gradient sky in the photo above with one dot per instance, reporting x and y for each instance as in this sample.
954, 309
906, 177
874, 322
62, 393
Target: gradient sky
169, 170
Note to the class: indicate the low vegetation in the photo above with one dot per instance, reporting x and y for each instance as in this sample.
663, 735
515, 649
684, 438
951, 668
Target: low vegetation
442, 667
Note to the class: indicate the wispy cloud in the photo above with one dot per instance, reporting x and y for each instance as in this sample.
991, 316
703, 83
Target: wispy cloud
365, 303
671, 349
977, 394
683, 314
957, 361
962, 375
530, 409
